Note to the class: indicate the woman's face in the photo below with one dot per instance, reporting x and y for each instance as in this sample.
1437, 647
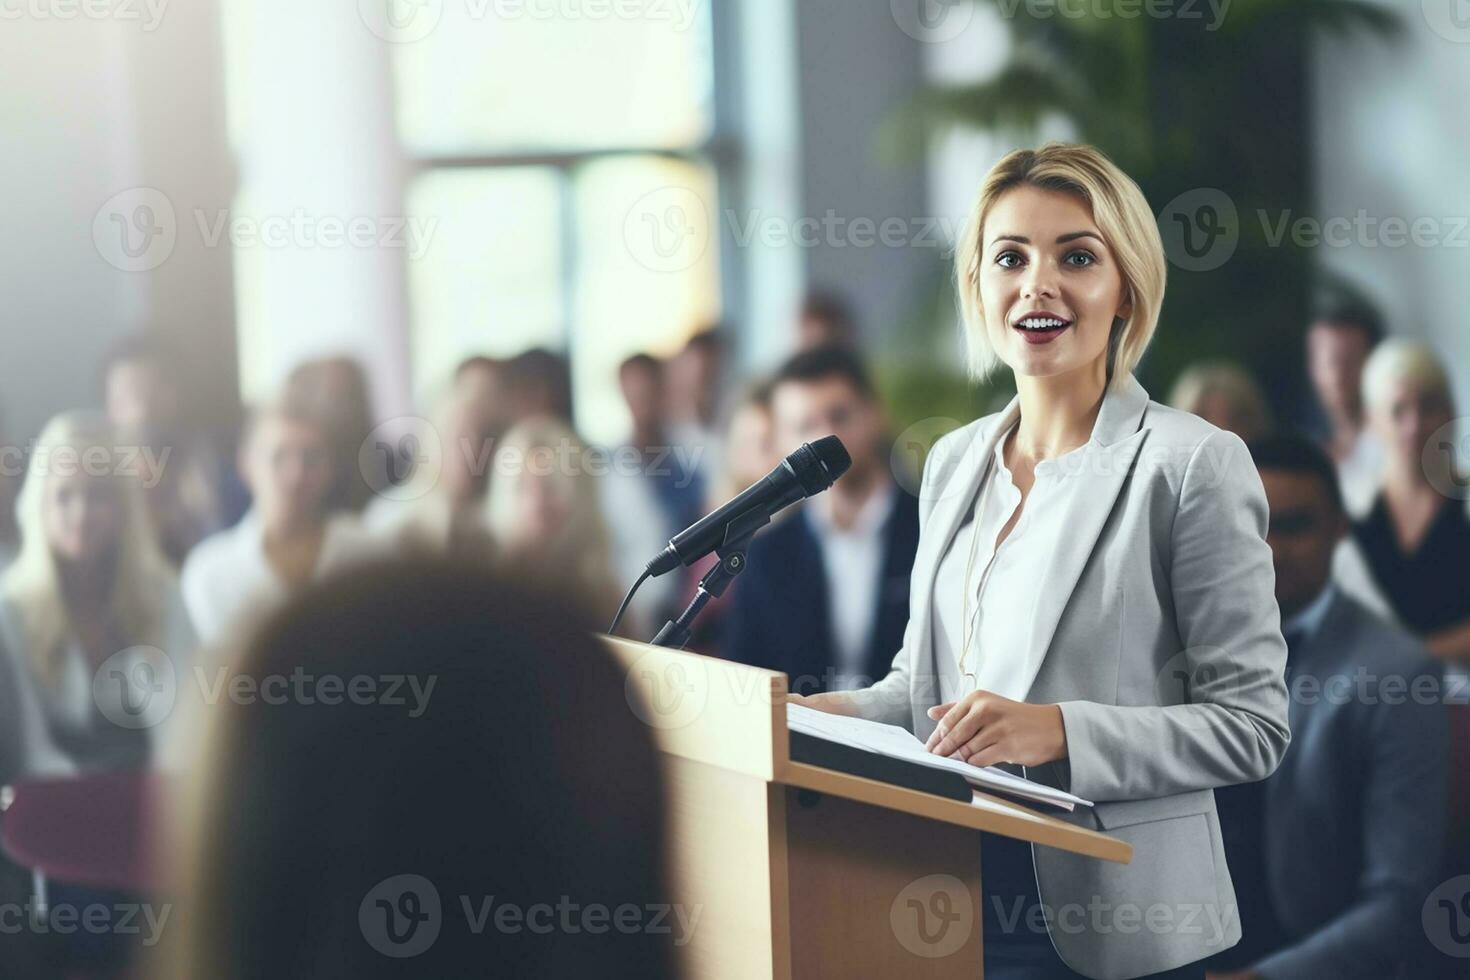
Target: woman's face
1406, 416
81, 516
1044, 264
543, 508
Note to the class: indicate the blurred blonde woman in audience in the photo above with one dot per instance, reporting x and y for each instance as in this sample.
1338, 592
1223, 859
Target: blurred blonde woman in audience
89, 612
1416, 536
291, 534
544, 512
1224, 395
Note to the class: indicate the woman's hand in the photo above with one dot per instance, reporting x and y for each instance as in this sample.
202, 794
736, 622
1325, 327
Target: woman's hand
985, 729
832, 702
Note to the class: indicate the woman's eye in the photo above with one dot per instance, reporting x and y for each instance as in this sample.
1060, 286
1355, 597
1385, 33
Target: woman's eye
1008, 260
1081, 258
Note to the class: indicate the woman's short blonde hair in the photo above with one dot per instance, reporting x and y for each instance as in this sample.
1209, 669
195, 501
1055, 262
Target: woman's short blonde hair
1401, 359
1122, 215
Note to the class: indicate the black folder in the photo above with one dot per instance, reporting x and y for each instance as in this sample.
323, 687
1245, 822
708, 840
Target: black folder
817, 751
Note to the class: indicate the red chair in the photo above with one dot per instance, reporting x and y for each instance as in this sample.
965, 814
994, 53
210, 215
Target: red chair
95, 831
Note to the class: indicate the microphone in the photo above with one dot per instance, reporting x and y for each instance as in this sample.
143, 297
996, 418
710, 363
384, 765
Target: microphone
807, 472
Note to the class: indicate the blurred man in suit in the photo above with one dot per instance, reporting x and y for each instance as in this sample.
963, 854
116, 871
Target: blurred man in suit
1339, 341
1334, 853
825, 597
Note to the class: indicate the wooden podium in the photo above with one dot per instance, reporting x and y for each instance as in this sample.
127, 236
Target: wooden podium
801, 872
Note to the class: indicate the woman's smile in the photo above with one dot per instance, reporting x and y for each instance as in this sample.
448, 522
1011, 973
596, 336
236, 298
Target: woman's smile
1041, 326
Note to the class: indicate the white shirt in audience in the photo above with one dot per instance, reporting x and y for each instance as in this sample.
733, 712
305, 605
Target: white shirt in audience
639, 530
1361, 474
228, 576
853, 560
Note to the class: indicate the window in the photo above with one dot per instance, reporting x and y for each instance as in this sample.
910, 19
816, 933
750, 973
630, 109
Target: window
568, 163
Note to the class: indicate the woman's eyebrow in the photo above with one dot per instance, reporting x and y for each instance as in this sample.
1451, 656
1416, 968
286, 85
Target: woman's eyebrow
1061, 239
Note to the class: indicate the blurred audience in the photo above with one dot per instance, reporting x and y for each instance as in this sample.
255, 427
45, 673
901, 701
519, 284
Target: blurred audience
825, 597
749, 445
671, 476
1416, 535
826, 320
321, 824
89, 589
538, 383
1333, 854
440, 508
291, 535
1225, 395
145, 402
484, 384
749, 454
1338, 344
545, 517
694, 398
335, 392
12, 468
651, 490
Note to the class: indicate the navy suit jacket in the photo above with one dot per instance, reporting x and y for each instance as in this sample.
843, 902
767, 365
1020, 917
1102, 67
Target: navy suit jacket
779, 618
1334, 854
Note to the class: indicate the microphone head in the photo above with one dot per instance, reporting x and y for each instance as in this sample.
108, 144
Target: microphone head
819, 464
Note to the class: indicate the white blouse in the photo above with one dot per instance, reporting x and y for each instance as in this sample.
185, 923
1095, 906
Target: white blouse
1002, 582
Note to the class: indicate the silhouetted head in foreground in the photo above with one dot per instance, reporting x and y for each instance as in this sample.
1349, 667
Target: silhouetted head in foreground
438, 774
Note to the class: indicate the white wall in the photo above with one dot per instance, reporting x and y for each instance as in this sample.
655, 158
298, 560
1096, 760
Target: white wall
1392, 140
99, 108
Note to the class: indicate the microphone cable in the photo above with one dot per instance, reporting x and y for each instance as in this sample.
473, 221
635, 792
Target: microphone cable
613, 629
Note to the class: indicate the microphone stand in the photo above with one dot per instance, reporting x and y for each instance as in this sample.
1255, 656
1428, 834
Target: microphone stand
732, 555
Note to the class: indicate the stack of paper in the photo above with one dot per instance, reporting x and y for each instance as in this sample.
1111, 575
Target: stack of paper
900, 743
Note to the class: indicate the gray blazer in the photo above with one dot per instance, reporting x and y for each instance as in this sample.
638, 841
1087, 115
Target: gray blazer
1163, 649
